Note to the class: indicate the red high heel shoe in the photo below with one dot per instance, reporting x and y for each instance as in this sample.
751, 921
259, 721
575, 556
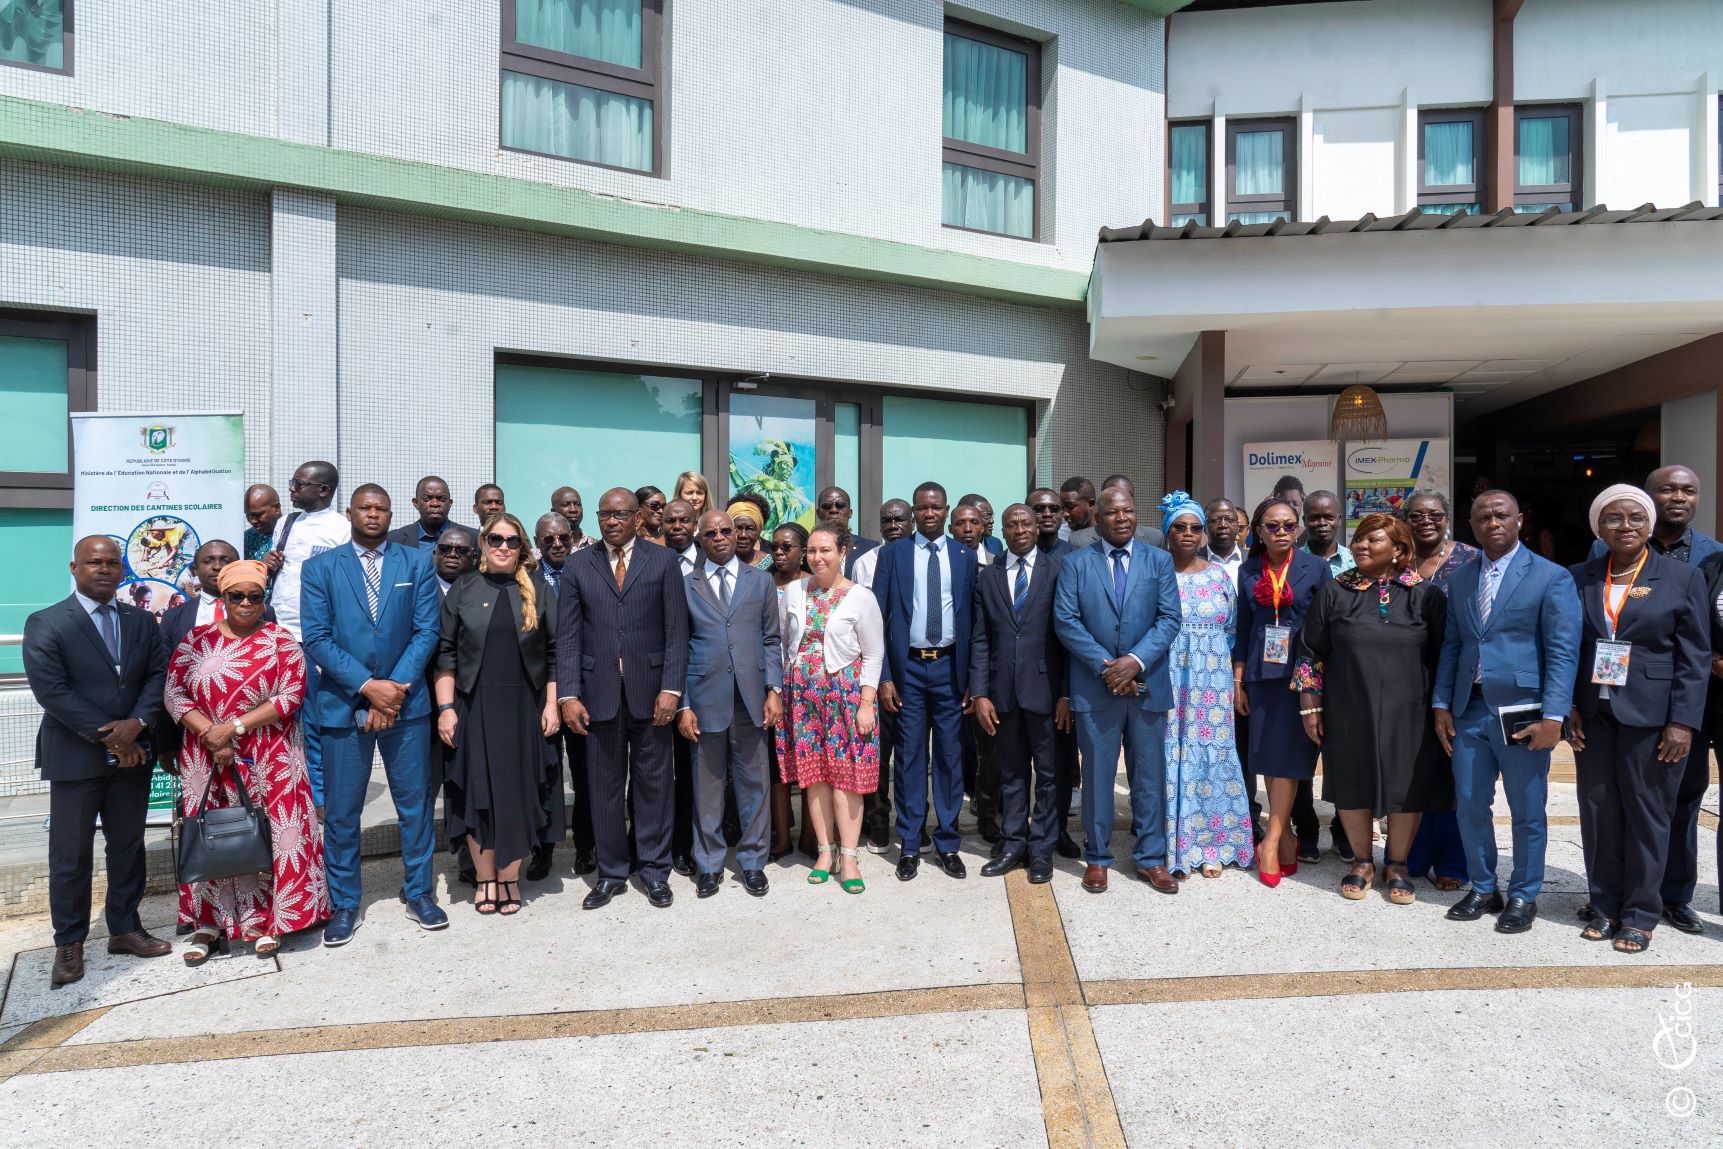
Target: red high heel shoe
1267, 879
1287, 869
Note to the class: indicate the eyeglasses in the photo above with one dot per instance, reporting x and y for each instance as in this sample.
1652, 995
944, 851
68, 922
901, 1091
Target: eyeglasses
510, 542
301, 484
717, 533
606, 516
1281, 528
557, 539
243, 597
453, 549
1615, 522
1426, 516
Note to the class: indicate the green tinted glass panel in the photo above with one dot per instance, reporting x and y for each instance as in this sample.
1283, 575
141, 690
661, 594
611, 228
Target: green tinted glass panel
987, 201
1259, 163
1545, 158
1448, 208
980, 447
607, 30
33, 397
986, 94
771, 454
581, 123
1449, 154
591, 431
26, 587
1190, 163
846, 457
33, 32
1254, 216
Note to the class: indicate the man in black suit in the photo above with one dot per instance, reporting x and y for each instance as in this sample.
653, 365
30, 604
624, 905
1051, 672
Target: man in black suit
1017, 682
553, 536
1047, 505
621, 660
431, 499
834, 507
97, 669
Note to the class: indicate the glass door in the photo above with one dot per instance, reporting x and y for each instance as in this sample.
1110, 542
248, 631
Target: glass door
772, 452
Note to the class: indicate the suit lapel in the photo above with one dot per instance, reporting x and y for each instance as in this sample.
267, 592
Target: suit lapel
735, 591
1648, 578
1511, 579
1135, 574
82, 621
703, 588
355, 572
1591, 594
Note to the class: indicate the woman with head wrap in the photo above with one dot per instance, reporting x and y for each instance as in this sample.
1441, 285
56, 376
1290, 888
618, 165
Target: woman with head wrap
1644, 660
1208, 812
236, 686
748, 513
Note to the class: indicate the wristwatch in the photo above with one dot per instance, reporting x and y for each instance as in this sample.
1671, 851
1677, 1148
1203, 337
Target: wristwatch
239, 727
442, 706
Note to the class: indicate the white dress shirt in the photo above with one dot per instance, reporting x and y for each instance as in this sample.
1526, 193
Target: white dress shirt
862, 571
732, 571
313, 533
90, 605
918, 613
690, 560
1012, 562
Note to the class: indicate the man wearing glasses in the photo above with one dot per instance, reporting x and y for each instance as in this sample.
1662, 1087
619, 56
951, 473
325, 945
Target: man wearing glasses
314, 526
553, 536
834, 507
455, 554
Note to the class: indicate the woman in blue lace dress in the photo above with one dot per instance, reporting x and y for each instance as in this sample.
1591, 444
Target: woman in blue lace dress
1208, 812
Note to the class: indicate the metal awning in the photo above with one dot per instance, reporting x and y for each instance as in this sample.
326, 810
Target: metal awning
1415, 220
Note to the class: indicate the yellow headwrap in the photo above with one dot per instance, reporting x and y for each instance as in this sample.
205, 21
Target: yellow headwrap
742, 507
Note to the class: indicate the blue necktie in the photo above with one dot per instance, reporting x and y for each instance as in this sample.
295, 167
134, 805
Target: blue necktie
110, 628
1487, 592
1119, 554
1021, 591
935, 595
373, 582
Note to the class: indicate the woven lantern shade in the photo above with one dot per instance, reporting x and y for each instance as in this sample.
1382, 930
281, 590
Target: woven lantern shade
1358, 416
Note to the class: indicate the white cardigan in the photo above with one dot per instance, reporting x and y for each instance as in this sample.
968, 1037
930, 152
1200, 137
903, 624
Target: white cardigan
854, 630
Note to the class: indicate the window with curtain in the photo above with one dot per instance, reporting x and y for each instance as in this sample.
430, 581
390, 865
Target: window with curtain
580, 80
992, 111
36, 34
1450, 160
1546, 157
1187, 173
1262, 175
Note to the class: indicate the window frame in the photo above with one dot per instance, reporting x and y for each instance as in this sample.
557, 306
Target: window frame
1287, 201
1204, 207
1023, 165
1472, 193
67, 39
1543, 193
44, 489
642, 83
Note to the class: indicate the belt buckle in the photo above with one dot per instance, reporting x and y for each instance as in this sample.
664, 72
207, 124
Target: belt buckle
927, 653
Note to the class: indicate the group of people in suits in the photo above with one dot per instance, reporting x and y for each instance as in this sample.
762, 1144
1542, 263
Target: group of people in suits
688, 667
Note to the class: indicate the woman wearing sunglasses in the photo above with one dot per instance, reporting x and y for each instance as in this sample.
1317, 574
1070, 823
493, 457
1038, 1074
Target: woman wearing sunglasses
496, 710
652, 503
789, 545
1275, 585
236, 686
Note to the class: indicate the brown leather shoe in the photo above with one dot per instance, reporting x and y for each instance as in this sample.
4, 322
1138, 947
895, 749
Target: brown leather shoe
1159, 878
1095, 879
139, 943
68, 964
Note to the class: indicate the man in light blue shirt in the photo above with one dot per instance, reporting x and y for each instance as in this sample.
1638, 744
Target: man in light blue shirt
1322, 532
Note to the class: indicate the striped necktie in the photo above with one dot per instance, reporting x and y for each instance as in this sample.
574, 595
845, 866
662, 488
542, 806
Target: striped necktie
1020, 591
373, 581
1487, 591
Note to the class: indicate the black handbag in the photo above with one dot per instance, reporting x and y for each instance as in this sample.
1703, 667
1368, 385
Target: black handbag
229, 842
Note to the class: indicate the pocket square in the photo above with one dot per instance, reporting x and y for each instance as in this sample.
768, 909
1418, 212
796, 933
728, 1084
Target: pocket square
399, 584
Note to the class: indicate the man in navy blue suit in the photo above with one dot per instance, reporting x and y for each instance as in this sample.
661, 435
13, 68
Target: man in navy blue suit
1512, 641
1117, 612
369, 612
925, 585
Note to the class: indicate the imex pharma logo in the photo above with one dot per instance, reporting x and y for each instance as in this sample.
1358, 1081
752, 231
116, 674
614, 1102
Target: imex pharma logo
1676, 1048
157, 437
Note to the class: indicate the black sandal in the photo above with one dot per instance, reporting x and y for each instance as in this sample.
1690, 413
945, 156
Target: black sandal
503, 906
1353, 885
1400, 891
1600, 930
485, 906
1631, 941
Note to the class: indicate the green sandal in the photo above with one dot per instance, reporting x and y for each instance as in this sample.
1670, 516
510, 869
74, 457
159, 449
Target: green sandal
819, 877
851, 885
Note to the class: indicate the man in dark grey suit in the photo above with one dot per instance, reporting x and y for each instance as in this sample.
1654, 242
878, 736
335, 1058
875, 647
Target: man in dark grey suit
735, 675
431, 499
621, 658
1017, 682
1085, 536
97, 669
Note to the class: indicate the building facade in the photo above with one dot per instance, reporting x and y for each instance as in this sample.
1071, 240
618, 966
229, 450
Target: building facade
595, 242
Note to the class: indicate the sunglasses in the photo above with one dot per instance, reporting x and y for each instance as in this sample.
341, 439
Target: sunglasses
301, 484
1046, 508
557, 538
243, 597
512, 542
834, 506
1281, 528
1426, 516
1185, 529
717, 533
654, 505
453, 549
607, 516
786, 546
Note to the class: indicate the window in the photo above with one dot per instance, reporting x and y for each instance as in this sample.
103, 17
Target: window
47, 371
1450, 160
1261, 171
580, 80
1546, 158
965, 446
1188, 174
36, 34
992, 154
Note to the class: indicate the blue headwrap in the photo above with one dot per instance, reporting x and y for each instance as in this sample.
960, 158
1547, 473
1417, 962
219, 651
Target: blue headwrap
1176, 503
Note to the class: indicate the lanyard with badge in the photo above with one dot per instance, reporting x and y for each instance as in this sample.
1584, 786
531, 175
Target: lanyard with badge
1609, 666
1277, 639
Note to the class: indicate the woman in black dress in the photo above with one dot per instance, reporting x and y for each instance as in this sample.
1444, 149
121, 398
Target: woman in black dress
1370, 643
496, 709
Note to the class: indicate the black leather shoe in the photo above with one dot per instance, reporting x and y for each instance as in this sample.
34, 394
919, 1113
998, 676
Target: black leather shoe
657, 893
754, 881
538, 868
952, 864
1518, 917
1344, 849
683, 864
1474, 906
990, 832
1682, 918
469, 876
1041, 871
1003, 864
601, 894
1586, 914
585, 862
908, 866
706, 885
998, 849
1067, 847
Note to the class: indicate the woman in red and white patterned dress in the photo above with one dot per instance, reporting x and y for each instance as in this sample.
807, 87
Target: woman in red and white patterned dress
237, 685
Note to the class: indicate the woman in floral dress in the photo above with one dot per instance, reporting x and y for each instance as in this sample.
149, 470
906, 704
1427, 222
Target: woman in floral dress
236, 685
830, 743
1208, 812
